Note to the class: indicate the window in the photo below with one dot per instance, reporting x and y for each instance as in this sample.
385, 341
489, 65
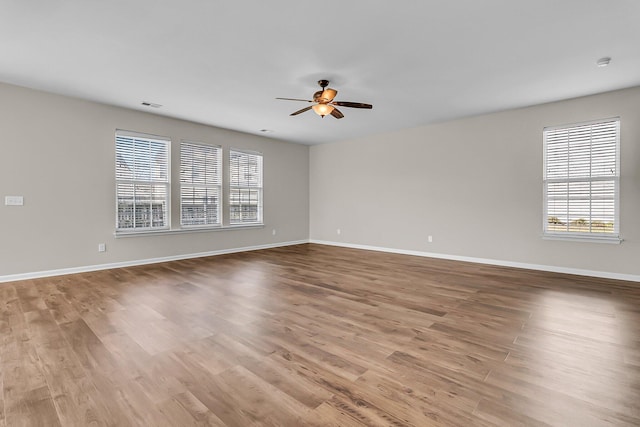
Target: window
581, 180
142, 182
200, 184
245, 187
143, 185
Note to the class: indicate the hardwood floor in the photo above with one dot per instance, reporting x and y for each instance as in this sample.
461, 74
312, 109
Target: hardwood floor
320, 336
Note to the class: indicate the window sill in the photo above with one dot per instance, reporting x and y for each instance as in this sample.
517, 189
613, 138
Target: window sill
615, 240
186, 230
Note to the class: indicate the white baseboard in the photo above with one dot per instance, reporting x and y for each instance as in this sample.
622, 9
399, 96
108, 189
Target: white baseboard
84, 269
554, 269
550, 268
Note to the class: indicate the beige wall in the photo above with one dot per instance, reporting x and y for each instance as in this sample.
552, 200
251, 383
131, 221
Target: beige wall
474, 184
59, 154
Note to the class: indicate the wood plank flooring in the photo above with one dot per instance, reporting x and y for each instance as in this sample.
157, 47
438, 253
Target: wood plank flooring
313, 335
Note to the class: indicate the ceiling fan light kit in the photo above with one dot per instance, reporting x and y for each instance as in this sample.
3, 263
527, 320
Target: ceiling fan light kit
324, 103
323, 109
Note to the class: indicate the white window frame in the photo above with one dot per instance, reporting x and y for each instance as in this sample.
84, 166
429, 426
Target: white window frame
248, 184
162, 178
207, 180
590, 178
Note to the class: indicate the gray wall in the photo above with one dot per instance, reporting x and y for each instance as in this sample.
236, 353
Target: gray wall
474, 184
58, 153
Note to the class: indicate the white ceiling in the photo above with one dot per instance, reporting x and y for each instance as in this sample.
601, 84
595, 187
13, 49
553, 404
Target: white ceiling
222, 63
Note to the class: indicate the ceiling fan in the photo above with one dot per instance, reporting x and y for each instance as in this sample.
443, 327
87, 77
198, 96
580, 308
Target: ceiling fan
324, 103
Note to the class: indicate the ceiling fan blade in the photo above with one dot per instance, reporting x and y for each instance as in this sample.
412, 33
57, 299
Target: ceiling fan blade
301, 111
295, 99
352, 104
336, 113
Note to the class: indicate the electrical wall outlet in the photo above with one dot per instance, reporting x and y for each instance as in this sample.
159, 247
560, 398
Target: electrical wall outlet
102, 247
338, 231
430, 239
273, 232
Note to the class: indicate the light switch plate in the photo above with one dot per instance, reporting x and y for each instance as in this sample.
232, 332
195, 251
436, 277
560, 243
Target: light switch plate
13, 200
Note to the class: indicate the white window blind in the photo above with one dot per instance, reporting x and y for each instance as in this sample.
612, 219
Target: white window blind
200, 184
142, 182
581, 179
245, 187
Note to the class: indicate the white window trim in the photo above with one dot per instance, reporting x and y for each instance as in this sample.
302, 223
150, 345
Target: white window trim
575, 236
260, 189
220, 187
167, 184
225, 184
128, 234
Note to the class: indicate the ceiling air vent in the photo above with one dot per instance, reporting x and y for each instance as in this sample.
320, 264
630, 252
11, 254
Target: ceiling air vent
151, 104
